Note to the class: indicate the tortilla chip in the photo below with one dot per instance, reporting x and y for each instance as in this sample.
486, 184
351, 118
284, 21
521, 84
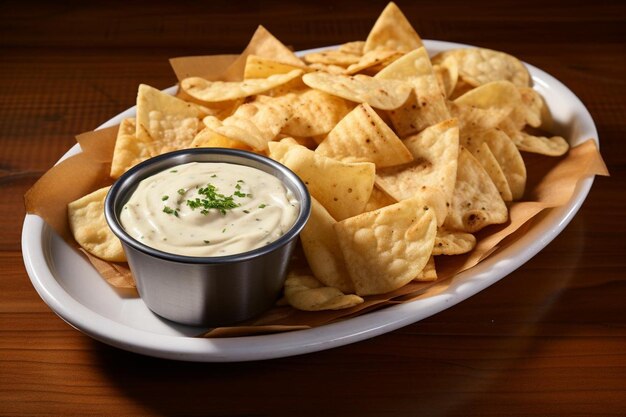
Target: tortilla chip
479, 66
212, 91
532, 109
362, 136
207, 138
447, 73
392, 31
476, 202
354, 47
90, 229
429, 273
167, 122
304, 292
129, 150
259, 67
322, 251
331, 57
495, 94
550, 146
313, 113
387, 248
426, 105
342, 188
374, 61
264, 45
378, 93
379, 199
435, 152
453, 243
486, 158
254, 124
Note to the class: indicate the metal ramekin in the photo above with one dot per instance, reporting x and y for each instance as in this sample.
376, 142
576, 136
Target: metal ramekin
207, 291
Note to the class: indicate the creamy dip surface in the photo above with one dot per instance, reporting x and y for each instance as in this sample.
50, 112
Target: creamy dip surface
209, 209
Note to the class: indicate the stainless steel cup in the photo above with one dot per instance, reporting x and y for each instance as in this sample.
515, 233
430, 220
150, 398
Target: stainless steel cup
207, 291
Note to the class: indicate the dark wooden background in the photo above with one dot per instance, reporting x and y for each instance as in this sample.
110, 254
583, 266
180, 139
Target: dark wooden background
550, 339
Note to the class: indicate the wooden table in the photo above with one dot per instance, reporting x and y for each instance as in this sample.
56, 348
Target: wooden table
549, 339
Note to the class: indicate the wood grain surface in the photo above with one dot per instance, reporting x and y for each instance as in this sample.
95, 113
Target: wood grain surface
549, 339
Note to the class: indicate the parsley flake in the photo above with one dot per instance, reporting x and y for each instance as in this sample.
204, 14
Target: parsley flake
212, 199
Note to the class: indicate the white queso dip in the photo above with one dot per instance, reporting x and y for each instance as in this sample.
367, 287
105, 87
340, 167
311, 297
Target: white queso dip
209, 209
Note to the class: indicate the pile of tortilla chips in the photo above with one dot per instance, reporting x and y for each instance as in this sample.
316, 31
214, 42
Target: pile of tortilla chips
406, 156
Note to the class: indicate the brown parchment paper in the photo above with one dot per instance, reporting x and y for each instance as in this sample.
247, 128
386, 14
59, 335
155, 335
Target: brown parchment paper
551, 183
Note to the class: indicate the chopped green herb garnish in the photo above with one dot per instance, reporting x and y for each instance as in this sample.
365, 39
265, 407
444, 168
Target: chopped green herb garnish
181, 191
165, 197
168, 210
212, 200
214, 175
247, 211
174, 170
261, 206
223, 230
239, 194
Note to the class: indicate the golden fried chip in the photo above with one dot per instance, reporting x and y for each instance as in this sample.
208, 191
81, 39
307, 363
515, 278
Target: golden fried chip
460, 88
130, 150
329, 68
331, 57
354, 47
550, 146
429, 273
381, 94
259, 67
342, 188
313, 112
306, 293
495, 94
378, 58
473, 118
254, 123
387, 248
238, 129
362, 136
167, 122
90, 229
476, 202
479, 66
532, 110
509, 159
219, 109
447, 73
207, 138
485, 157
393, 31
453, 243
322, 251
265, 45
211, 91
426, 105
435, 152
379, 199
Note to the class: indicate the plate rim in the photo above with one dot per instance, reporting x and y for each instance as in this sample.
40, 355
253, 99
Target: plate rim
35, 233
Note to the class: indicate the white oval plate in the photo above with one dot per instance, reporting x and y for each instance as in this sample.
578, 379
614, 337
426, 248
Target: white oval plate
74, 290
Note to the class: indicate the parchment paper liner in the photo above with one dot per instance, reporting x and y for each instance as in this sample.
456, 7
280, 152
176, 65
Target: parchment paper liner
551, 183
